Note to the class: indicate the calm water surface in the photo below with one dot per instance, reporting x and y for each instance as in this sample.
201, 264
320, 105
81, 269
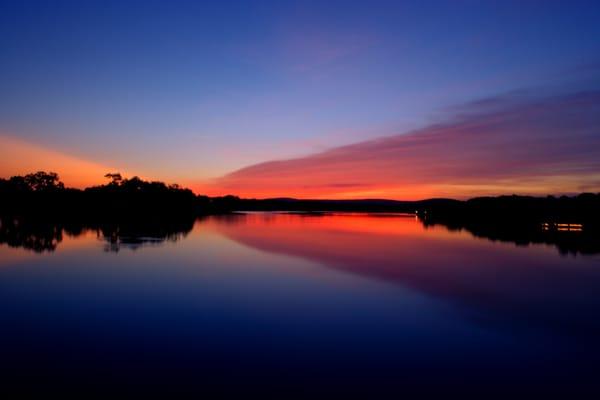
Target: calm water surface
297, 306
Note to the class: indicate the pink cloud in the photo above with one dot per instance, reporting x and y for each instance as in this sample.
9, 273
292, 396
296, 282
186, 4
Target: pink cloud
502, 145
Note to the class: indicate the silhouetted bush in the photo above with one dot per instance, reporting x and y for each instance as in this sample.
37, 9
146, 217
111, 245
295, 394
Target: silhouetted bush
44, 195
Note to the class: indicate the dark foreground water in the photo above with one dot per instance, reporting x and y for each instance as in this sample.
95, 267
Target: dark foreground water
294, 306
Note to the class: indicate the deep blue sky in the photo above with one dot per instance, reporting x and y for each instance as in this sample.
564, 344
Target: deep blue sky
192, 90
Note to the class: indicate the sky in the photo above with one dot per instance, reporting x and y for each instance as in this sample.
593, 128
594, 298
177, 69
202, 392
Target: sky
336, 99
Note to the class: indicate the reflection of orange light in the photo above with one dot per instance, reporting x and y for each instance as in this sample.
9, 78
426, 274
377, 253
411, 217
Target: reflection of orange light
11, 255
389, 224
564, 227
341, 234
87, 238
395, 248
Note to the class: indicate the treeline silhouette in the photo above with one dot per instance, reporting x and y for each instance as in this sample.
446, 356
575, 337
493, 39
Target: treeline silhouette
43, 193
506, 211
41, 197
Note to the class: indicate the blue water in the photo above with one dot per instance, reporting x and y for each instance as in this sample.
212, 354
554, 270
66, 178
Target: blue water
299, 306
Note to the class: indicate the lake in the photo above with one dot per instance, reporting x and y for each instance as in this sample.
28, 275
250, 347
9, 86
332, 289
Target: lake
294, 305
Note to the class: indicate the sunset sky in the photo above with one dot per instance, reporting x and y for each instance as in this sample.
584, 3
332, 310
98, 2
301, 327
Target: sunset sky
335, 99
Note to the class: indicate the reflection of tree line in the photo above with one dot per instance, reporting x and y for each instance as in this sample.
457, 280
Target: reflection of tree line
38, 237
136, 234
521, 233
46, 236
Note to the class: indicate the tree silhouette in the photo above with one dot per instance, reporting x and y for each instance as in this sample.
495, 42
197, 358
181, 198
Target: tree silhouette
115, 178
42, 181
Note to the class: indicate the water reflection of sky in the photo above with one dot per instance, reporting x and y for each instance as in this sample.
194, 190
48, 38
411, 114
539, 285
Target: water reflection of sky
352, 300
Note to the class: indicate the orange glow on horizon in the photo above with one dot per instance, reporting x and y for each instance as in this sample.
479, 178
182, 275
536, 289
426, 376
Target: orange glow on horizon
542, 186
19, 158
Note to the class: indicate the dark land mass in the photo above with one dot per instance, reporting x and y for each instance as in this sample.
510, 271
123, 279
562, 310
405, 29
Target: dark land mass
36, 209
